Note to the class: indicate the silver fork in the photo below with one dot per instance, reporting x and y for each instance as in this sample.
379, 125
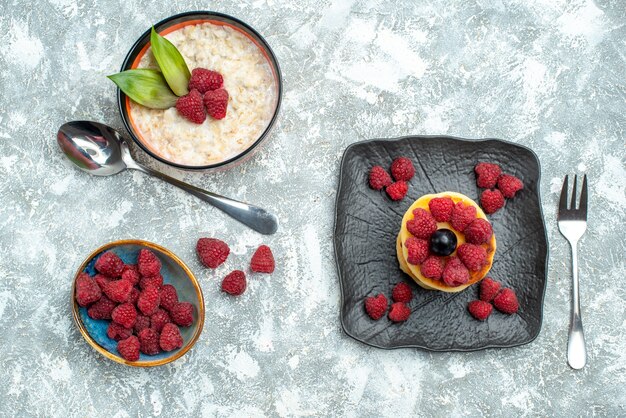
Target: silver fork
572, 223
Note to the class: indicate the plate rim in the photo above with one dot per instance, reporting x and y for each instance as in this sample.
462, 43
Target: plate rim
335, 243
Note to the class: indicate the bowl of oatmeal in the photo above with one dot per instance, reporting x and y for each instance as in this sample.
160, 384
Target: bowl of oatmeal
251, 75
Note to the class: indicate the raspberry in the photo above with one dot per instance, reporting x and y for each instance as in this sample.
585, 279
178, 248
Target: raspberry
489, 288
487, 175
455, 273
399, 312
506, 301
142, 322
134, 295
129, 348
87, 290
473, 256
182, 314
131, 273
262, 260
149, 341
170, 338
441, 208
148, 263
509, 185
216, 102
117, 332
234, 283
422, 225
402, 293
125, 315
118, 290
149, 300
169, 297
432, 267
159, 319
402, 169
478, 232
204, 80
397, 190
191, 107
102, 280
479, 309
417, 250
491, 201
379, 178
376, 306
101, 309
110, 264
212, 251
462, 216
154, 281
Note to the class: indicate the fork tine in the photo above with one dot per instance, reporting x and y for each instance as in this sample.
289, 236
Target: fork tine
583, 197
563, 200
572, 205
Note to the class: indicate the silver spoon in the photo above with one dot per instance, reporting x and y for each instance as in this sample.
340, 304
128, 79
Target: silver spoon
100, 150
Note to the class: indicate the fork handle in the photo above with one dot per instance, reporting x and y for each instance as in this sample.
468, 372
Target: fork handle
576, 351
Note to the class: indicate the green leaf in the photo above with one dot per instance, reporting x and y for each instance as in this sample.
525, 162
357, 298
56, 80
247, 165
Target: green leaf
146, 87
171, 63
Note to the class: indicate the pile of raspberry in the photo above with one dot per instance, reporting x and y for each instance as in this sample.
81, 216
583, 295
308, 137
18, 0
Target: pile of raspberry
207, 95
145, 314
491, 292
499, 186
214, 252
401, 294
402, 171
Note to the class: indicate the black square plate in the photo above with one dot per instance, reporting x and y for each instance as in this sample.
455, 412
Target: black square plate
367, 224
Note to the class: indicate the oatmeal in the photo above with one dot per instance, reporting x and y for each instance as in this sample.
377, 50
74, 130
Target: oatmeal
249, 80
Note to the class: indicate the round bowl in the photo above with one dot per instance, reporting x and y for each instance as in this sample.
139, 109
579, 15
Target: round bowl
174, 272
176, 22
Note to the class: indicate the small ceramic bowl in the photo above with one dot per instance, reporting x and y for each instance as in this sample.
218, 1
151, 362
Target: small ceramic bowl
174, 23
174, 272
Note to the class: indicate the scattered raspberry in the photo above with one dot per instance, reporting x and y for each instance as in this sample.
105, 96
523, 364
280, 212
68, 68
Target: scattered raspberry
509, 185
191, 107
169, 297
212, 251
455, 273
149, 300
154, 281
262, 260
205, 80
87, 290
125, 315
216, 103
399, 312
462, 216
422, 225
148, 263
118, 290
376, 306
402, 169
110, 264
102, 280
491, 201
489, 288
234, 283
149, 341
402, 293
159, 319
142, 322
129, 348
131, 273
432, 267
478, 232
117, 332
397, 191
379, 178
170, 338
441, 208
473, 256
417, 250
182, 314
479, 309
506, 301
102, 308
487, 175
134, 295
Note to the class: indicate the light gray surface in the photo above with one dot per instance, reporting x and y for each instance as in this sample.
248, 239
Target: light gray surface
547, 74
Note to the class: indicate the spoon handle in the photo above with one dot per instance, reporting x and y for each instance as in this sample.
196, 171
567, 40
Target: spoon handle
253, 216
